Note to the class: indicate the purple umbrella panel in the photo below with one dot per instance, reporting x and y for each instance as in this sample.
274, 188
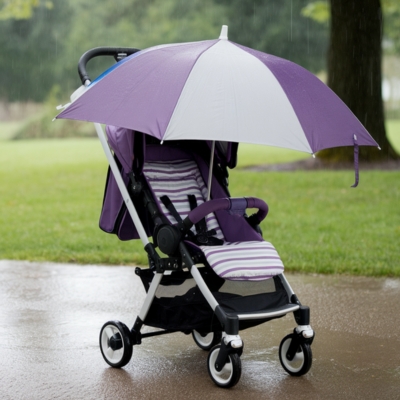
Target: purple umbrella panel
220, 90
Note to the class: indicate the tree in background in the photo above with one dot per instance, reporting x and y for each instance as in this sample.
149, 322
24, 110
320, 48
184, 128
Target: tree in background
354, 72
391, 11
20, 9
135, 23
44, 50
41, 41
31, 52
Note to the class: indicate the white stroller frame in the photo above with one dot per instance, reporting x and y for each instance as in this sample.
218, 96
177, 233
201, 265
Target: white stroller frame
116, 340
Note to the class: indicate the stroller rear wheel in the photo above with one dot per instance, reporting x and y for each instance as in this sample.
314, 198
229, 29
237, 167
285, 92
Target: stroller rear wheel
206, 341
115, 344
230, 374
301, 362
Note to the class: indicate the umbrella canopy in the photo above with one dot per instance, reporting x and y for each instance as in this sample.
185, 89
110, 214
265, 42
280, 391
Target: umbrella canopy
219, 90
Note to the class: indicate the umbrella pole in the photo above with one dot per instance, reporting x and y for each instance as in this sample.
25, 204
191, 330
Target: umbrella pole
210, 170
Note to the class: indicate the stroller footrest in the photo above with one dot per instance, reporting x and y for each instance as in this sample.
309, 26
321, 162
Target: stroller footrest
271, 313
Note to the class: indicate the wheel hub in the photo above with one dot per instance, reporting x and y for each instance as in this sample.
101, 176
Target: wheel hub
116, 342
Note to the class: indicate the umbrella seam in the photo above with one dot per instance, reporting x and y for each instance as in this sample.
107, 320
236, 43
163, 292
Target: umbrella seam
190, 72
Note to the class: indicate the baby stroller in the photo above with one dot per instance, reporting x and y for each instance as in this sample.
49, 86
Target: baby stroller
219, 276
211, 273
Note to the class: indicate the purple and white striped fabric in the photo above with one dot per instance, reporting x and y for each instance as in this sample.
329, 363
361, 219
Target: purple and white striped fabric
177, 180
253, 260
219, 90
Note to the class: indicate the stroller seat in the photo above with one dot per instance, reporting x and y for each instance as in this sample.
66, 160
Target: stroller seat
251, 261
176, 180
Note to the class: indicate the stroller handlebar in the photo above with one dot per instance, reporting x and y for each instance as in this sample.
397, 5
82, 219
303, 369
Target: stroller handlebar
117, 52
234, 205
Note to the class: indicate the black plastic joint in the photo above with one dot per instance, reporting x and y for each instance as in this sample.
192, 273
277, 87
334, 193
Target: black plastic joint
153, 256
186, 258
168, 239
229, 322
186, 225
151, 251
116, 342
294, 345
162, 264
169, 264
294, 299
136, 336
135, 186
223, 355
302, 315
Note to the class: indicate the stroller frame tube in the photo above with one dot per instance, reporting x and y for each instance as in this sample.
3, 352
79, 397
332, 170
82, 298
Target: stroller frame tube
286, 285
203, 287
121, 185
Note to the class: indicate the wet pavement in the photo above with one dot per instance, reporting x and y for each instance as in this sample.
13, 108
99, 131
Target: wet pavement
51, 316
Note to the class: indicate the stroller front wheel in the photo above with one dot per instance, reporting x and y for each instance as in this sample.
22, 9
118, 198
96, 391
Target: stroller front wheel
230, 374
115, 344
301, 362
206, 341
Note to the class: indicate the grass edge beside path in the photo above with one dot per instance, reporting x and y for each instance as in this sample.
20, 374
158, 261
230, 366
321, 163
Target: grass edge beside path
52, 191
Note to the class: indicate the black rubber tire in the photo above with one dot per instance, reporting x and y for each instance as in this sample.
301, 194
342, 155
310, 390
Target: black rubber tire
117, 358
207, 341
230, 374
302, 361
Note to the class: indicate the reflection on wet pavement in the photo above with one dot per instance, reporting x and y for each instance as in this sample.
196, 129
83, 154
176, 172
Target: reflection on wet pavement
52, 314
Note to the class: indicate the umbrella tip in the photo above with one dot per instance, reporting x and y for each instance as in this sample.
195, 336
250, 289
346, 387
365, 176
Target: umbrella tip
224, 32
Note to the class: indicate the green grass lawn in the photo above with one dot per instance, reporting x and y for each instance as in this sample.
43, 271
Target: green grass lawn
51, 193
319, 224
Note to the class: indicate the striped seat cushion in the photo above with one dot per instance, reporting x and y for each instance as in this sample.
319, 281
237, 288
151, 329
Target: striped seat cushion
251, 261
178, 179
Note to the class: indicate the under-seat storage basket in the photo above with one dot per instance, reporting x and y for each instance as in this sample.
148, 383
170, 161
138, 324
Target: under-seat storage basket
179, 305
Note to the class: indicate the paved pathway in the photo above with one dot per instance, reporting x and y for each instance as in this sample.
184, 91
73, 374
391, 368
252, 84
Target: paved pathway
51, 316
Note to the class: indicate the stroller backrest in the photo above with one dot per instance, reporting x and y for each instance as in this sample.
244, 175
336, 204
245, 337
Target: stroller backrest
177, 173
179, 181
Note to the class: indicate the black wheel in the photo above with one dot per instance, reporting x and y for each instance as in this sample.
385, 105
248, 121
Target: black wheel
301, 362
208, 340
230, 374
115, 344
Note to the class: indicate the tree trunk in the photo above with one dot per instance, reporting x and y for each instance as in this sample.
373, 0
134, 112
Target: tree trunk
354, 73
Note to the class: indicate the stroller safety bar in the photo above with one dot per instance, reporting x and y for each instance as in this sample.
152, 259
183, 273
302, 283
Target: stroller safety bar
234, 205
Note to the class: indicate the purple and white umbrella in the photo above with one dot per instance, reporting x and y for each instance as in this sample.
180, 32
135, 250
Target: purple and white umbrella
220, 90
